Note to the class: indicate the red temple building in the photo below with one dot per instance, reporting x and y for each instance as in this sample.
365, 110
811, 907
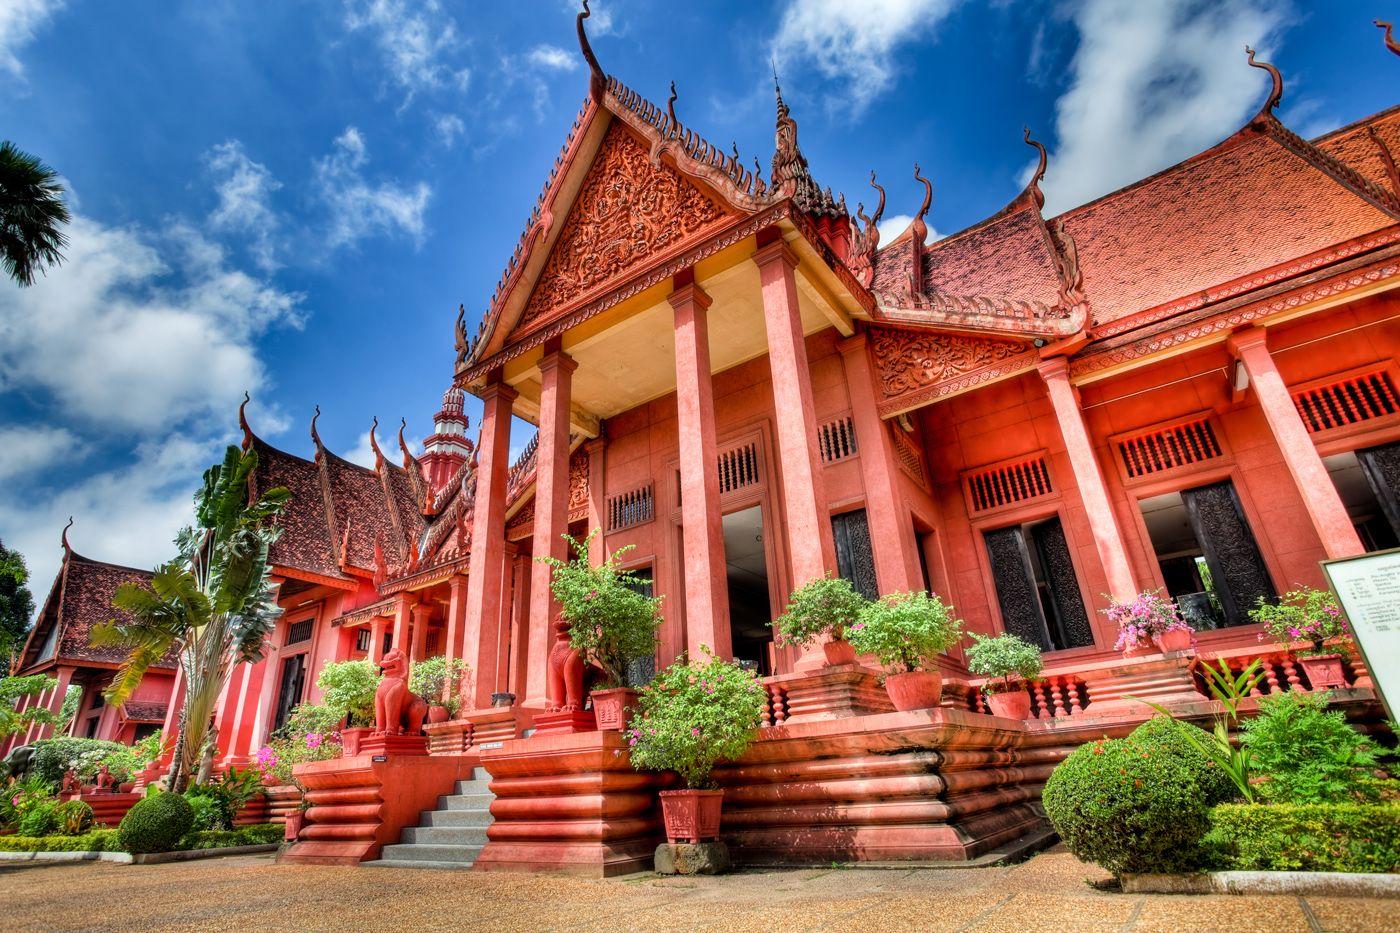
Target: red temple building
1190, 383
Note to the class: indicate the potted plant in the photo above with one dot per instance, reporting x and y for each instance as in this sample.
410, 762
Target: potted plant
690, 717
438, 680
1313, 616
907, 631
1150, 616
347, 694
609, 620
1003, 657
825, 607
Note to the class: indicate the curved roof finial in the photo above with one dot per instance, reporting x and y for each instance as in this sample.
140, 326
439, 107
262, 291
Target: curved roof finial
596, 79
68, 548
374, 442
671, 107
1276, 94
880, 207
920, 228
243, 419
1390, 42
403, 445
315, 436
1034, 186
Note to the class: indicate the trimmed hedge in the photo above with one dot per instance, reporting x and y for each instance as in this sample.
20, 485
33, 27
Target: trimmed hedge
102, 840
260, 834
155, 824
1169, 735
1355, 837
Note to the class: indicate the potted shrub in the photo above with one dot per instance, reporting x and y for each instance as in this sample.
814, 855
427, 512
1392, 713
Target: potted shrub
1312, 616
907, 631
438, 681
825, 607
610, 620
1150, 617
690, 717
347, 693
1004, 657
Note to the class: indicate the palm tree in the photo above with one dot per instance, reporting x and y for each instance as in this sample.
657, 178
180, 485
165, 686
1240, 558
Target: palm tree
215, 601
31, 211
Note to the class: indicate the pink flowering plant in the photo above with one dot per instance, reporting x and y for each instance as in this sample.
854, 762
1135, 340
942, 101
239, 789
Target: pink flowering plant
1149, 615
694, 715
311, 734
1306, 614
828, 606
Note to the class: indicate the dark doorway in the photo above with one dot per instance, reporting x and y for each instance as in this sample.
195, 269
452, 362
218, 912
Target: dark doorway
1037, 588
1368, 482
750, 610
289, 688
855, 559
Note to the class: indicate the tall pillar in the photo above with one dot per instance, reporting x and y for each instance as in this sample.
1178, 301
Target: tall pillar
522, 661
377, 625
422, 615
1324, 505
54, 701
810, 543
483, 609
1093, 492
505, 643
891, 531
597, 550
706, 580
403, 622
456, 616
551, 497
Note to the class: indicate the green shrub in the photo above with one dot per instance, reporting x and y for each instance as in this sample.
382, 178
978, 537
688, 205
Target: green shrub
155, 824
1128, 806
827, 606
1003, 656
20, 796
1306, 753
905, 631
52, 757
1356, 837
100, 840
1171, 737
210, 812
348, 687
74, 817
39, 819
258, 835
438, 680
694, 715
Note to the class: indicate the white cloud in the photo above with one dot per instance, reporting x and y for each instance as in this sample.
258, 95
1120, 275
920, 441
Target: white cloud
245, 192
27, 448
362, 453
448, 127
552, 58
1152, 84
416, 39
359, 208
854, 43
20, 22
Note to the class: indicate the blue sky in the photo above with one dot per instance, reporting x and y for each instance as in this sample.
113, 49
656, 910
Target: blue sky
294, 197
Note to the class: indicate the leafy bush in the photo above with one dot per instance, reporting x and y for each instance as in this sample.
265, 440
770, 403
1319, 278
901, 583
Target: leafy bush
1304, 614
155, 823
438, 680
1129, 806
276, 760
1354, 837
312, 717
1306, 753
1002, 657
20, 796
15, 689
74, 817
99, 840
219, 802
258, 835
819, 607
39, 819
905, 630
348, 686
694, 715
210, 812
52, 757
610, 619
1175, 739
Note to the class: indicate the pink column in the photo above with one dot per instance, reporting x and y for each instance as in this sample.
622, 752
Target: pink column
706, 588
54, 701
1093, 493
376, 638
891, 531
456, 616
1324, 505
551, 502
597, 550
403, 622
483, 612
808, 522
422, 615
523, 662
505, 643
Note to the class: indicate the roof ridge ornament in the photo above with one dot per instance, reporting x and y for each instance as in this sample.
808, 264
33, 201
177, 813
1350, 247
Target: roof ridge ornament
1390, 42
315, 435
374, 443
1387, 159
1034, 186
408, 459
243, 419
921, 228
673, 126
63, 537
1276, 93
865, 238
597, 81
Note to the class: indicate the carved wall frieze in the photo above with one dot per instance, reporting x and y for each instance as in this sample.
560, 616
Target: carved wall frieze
578, 483
916, 366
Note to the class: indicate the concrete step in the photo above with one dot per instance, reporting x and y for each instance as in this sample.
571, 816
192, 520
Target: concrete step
465, 802
422, 852
480, 818
472, 787
444, 835
425, 863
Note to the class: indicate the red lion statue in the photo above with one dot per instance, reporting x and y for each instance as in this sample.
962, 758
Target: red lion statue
564, 688
397, 710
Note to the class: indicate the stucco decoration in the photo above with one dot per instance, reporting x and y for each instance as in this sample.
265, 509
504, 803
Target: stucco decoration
911, 364
627, 210
578, 483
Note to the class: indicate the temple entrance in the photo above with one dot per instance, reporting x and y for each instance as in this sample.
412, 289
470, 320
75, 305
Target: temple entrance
1366, 481
750, 609
1036, 585
289, 688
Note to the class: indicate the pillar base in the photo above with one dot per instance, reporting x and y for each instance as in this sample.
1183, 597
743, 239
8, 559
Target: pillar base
836, 692
496, 724
581, 720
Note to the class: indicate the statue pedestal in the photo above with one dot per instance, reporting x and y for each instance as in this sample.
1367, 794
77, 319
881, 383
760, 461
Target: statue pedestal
581, 720
394, 745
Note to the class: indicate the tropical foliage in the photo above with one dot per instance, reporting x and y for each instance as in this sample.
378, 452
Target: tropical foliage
53, 757
1004, 656
347, 693
1304, 614
15, 689
1304, 753
32, 213
16, 604
827, 606
906, 631
438, 680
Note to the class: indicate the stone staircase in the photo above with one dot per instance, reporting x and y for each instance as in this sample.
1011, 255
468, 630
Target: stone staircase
450, 836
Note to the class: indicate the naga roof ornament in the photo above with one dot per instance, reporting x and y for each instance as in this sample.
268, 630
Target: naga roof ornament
1034, 186
918, 233
63, 537
1387, 159
315, 435
597, 80
790, 177
1275, 93
374, 442
243, 420
1390, 42
865, 238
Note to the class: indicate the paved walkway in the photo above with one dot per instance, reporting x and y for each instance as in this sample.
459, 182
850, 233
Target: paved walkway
1049, 892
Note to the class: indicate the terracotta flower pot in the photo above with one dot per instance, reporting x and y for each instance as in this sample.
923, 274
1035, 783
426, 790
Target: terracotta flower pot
838, 651
295, 819
1178, 639
1012, 704
1137, 650
613, 708
438, 714
914, 690
691, 815
1324, 671
350, 740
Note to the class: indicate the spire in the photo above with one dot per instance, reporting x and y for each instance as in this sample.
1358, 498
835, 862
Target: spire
243, 421
597, 81
1390, 42
1034, 186
1276, 93
63, 538
790, 176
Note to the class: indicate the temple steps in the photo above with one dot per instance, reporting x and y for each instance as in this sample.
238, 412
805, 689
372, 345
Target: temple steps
450, 836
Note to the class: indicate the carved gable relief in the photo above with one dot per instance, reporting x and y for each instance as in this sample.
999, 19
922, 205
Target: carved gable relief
924, 365
627, 210
578, 483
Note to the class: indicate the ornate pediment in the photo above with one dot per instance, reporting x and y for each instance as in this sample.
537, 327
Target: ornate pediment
628, 210
915, 368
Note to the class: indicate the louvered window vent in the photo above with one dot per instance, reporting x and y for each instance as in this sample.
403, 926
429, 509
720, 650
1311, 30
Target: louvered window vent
299, 632
1009, 483
738, 467
1351, 400
837, 439
1168, 448
363, 637
630, 508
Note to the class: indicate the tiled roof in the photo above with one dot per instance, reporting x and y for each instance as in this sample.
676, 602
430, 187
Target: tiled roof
1354, 146
357, 497
144, 712
305, 543
406, 498
1005, 257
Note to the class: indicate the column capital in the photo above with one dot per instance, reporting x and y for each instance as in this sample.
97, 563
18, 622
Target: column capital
496, 390
457, 581
421, 611
1248, 338
773, 252
557, 360
690, 293
1056, 367
594, 444
855, 343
